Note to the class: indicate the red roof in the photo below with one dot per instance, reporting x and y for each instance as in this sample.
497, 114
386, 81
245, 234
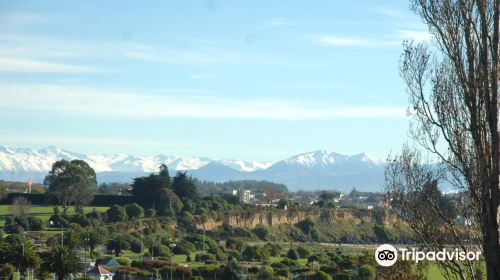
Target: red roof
98, 270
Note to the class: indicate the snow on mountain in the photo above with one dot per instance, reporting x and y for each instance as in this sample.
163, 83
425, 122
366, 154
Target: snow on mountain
25, 159
312, 170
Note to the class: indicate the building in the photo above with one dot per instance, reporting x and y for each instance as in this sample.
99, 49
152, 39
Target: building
100, 273
245, 196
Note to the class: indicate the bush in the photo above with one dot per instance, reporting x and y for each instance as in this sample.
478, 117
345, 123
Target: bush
219, 255
150, 212
347, 275
366, 272
293, 254
184, 248
135, 245
205, 257
281, 269
255, 253
116, 213
274, 249
36, 223
262, 232
134, 211
289, 262
235, 244
303, 252
123, 261
233, 254
266, 272
320, 275
161, 251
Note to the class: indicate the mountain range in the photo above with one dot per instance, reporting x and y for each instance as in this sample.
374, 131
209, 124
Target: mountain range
307, 171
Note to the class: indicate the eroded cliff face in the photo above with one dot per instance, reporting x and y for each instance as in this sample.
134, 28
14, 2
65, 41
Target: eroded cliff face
275, 217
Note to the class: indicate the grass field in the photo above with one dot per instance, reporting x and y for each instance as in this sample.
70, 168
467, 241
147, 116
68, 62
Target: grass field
43, 211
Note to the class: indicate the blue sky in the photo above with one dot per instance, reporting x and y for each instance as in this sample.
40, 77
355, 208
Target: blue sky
258, 80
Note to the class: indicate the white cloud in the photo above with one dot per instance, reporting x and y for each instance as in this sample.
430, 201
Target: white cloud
415, 35
340, 41
29, 65
81, 101
15, 138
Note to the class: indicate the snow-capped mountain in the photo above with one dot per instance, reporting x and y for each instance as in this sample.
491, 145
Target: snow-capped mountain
26, 159
313, 170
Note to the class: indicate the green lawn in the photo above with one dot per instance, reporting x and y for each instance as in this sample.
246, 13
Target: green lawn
44, 211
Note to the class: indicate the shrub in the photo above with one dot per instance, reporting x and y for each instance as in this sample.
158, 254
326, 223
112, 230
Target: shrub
204, 257
320, 275
160, 251
116, 213
123, 261
36, 223
303, 252
274, 249
289, 262
293, 254
266, 272
255, 253
366, 272
235, 244
134, 211
150, 212
262, 232
219, 255
135, 245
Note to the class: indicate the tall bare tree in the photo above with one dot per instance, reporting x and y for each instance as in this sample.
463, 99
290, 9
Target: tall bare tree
452, 84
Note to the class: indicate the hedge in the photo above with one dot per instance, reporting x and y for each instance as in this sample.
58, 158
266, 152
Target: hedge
43, 199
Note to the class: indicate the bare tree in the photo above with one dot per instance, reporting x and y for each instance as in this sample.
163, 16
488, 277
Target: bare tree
452, 83
437, 221
20, 207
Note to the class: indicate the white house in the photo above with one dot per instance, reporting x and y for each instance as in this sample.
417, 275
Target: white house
100, 273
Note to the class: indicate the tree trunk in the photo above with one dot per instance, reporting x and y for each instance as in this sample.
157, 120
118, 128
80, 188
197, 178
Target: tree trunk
491, 236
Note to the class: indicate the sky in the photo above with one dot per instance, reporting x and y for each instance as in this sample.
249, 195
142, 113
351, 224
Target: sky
255, 80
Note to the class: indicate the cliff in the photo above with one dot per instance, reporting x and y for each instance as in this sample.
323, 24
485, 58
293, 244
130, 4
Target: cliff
276, 217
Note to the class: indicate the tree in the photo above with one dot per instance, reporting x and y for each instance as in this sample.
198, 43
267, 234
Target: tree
63, 262
292, 254
164, 172
3, 192
20, 207
19, 252
96, 236
148, 190
71, 182
184, 187
116, 213
134, 211
117, 244
452, 83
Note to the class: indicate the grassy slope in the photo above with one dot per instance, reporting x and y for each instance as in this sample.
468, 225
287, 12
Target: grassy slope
43, 211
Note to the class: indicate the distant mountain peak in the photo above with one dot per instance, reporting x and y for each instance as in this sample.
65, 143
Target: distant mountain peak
313, 170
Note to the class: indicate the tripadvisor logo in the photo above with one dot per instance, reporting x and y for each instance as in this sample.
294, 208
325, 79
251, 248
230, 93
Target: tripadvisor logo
387, 255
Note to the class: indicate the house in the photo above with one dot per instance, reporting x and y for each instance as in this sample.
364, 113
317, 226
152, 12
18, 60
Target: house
100, 273
109, 262
246, 196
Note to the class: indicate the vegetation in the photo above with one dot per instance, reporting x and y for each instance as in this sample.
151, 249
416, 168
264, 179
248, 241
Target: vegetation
452, 83
71, 182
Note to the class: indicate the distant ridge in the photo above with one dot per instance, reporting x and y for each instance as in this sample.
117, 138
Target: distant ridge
307, 171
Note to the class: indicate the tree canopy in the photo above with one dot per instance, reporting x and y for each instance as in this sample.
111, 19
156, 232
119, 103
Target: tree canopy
71, 182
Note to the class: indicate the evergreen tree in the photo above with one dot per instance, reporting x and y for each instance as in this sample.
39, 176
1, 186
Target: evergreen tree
185, 187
